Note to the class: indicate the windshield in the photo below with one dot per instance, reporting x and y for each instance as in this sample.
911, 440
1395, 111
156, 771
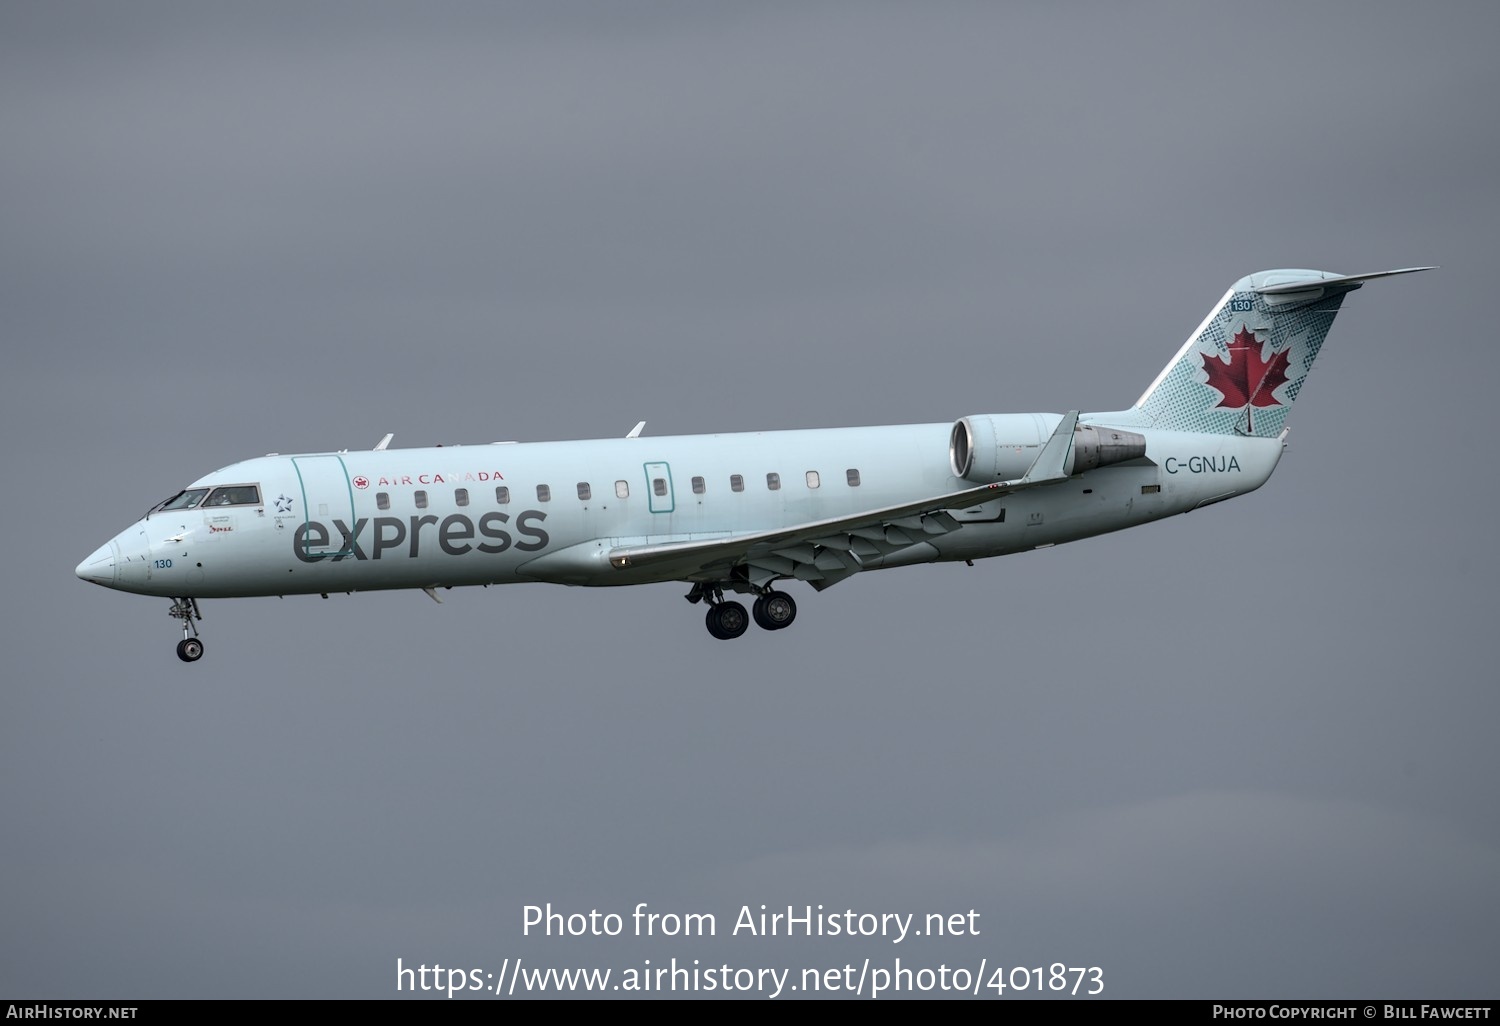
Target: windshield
235, 495
184, 500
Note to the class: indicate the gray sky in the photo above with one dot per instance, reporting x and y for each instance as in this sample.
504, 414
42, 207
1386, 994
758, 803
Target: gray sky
1246, 753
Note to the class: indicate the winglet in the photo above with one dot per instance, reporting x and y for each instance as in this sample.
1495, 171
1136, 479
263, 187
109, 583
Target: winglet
635, 432
1051, 463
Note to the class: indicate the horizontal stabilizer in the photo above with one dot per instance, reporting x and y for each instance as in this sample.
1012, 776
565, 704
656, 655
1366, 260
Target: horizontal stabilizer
1277, 288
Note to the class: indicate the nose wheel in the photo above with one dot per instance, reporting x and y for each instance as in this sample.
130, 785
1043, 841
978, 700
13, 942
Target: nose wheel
190, 648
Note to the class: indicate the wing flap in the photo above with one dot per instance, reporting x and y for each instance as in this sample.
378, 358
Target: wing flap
775, 565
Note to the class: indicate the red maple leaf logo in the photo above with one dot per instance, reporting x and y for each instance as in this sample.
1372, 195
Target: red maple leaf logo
1246, 380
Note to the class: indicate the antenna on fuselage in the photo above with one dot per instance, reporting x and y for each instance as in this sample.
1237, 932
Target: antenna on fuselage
385, 441
635, 432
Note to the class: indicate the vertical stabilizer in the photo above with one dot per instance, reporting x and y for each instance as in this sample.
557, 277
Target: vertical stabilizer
1243, 368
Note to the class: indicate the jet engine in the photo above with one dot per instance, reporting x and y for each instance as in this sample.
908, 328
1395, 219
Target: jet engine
1002, 446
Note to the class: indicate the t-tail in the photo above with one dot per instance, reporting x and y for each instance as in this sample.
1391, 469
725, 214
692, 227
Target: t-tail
1243, 368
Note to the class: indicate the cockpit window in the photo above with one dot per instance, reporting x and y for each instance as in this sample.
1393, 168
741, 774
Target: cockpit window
185, 500
235, 495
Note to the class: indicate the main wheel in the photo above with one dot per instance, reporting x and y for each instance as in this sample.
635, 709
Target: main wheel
190, 650
774, 610
727, 620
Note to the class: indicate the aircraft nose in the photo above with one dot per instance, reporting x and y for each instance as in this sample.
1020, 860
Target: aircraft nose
99, 568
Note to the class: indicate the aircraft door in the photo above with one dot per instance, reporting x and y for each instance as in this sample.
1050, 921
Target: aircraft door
327, 496
659, 488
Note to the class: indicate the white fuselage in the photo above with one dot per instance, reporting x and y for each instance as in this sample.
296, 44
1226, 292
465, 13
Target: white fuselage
551, 511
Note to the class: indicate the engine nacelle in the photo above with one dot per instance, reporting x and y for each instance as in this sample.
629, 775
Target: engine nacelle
1002, 446
996, 446
1100, 446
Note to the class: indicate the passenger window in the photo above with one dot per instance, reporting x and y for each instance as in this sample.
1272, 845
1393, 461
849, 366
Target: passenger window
736, 483
812, 479
502, 495
773, 482
622, 490
543, 493
583, 490
421, 498
461, 496
699, 486
382, 500
852, 476
659, 485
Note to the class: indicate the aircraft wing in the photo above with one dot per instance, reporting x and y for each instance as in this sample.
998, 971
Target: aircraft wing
824, 552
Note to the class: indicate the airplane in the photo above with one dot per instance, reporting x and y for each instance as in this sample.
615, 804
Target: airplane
741, 513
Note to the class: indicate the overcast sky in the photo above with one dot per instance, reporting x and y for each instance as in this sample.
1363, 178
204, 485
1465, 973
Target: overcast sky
1246, 753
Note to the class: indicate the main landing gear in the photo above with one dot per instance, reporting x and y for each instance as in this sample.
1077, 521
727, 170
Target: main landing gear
727, 620
772, 610
190, 648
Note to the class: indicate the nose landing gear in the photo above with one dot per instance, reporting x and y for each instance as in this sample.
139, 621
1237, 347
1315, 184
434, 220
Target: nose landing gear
190, 648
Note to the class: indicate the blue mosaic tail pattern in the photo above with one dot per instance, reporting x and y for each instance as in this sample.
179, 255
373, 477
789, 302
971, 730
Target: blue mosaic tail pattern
1242, 369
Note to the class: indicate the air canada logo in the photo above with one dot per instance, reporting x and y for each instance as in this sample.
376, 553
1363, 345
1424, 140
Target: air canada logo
361, 482
1247, 379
